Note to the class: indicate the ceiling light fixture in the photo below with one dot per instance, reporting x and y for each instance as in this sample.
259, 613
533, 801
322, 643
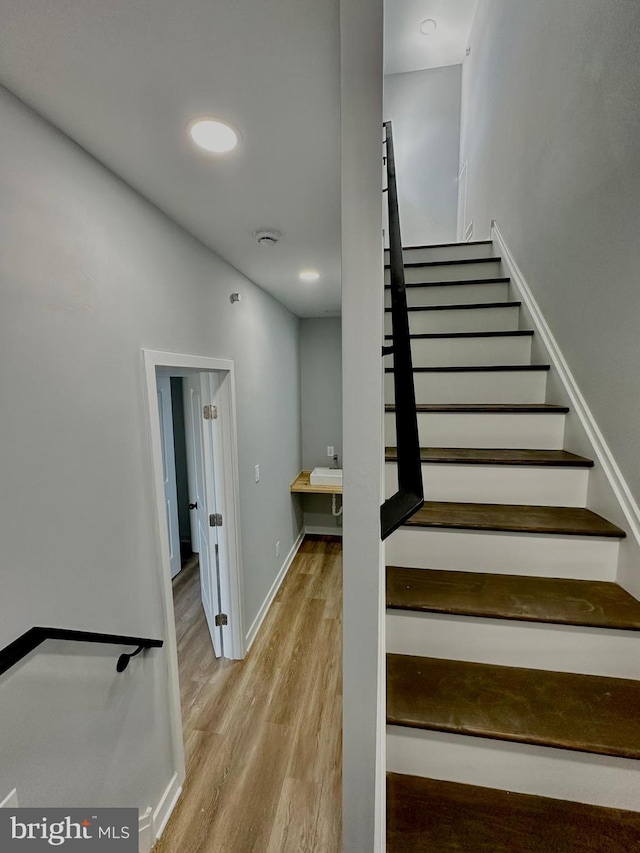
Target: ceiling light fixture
213, 135
309, 275
428, 27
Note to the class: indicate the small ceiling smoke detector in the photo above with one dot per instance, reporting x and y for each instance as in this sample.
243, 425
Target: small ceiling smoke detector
428, 27
267, 236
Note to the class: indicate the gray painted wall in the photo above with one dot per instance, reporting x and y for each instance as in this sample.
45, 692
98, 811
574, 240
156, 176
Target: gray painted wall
362, 318
90, 274
424, 107
551, 132
321, 377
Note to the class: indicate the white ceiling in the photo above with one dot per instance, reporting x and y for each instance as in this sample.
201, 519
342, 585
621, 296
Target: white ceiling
124, 77
406, 49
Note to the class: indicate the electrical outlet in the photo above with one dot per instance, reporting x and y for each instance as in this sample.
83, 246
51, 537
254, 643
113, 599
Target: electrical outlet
330, 451
257, 472
277, 549
10, 801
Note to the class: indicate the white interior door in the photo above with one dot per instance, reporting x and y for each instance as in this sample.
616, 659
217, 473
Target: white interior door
202, 498
169, 470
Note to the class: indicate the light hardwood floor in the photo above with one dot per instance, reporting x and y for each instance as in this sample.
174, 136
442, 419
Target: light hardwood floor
263, 736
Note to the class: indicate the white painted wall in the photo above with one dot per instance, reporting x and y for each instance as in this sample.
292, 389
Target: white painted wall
90, 273
550, 129
321, 396
424, 107
362, 312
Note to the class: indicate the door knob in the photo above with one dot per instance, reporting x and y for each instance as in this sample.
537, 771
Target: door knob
193, 506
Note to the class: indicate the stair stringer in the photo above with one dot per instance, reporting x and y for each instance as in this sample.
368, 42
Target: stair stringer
608, 493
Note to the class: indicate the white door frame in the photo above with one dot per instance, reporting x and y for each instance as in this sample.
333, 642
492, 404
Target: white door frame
177, 363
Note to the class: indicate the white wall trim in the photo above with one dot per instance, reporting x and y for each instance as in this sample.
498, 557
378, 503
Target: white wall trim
601, 449
167, 804
275, 586
322, 530
146, 835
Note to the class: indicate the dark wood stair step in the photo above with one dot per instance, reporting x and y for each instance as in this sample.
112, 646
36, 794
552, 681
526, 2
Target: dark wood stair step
481, 368
446, 283
585, 713
559, 601
520, 518
452, 263
447, 245
429, 816
516, 333
462, 307
496, 456
486, 408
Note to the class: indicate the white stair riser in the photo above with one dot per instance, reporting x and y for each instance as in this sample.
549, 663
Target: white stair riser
460, 320
558, 648
533, 431
548, 772
461, 352
460, 251
476, 387
454, 294
508, 484
580, 557
449, 272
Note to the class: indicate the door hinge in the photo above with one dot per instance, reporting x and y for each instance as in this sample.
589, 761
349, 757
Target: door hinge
215, 519
222, 619
210, 413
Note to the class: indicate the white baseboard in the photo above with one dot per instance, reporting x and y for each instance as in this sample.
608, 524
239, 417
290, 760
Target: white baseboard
626, 507
275, 586
146, 835
167, 804
319, 530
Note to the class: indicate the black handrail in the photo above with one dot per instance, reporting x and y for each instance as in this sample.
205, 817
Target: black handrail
32, 638
410, 495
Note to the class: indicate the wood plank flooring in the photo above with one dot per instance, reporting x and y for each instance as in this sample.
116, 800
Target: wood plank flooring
263, 736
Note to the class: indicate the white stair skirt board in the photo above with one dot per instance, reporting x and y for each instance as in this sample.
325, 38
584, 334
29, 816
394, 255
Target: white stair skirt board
449, 272
515, 431
500, 319
454, 294
506, 642
456, 252
586, 557
515, 386
511, 484
609, 493
466, 352
549, 772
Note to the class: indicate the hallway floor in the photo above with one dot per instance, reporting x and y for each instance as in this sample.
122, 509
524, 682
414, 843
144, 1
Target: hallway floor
263, 736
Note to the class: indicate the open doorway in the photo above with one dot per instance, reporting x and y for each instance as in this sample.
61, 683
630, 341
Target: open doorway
191, 405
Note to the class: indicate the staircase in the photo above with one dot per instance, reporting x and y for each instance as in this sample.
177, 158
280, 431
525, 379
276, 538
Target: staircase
513, 660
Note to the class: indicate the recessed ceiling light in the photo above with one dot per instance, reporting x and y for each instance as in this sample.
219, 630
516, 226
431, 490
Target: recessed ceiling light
309, 275
428, 27
213, 135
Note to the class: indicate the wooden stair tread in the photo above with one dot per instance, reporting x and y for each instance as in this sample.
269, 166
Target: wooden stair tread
515, 333
486, 408
447, 283
481, 368
451, 263
496, 456
585, 713
560, 601
429, 816
461, 307
447, 245
560, 520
